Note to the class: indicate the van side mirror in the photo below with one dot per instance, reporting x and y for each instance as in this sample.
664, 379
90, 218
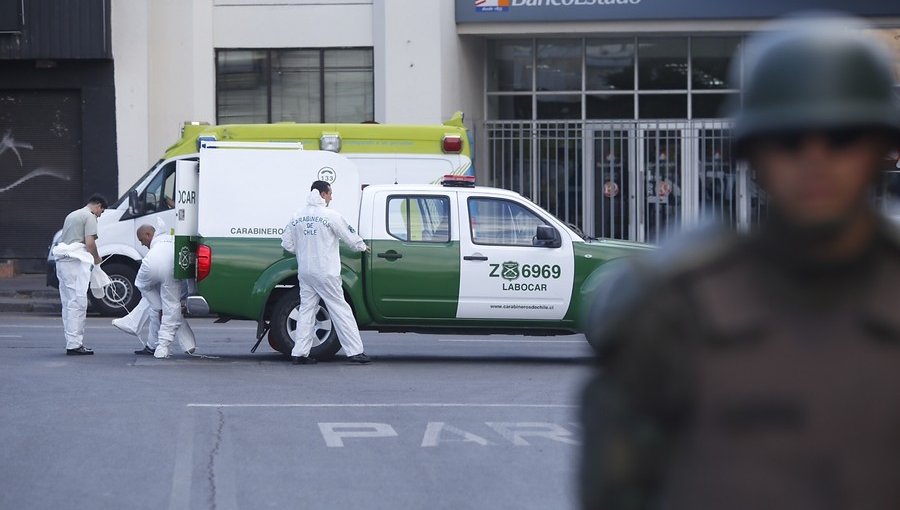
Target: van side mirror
134, 206
547, 237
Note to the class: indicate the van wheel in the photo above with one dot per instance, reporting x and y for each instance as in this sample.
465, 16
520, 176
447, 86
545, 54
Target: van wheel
284, 327
121, 295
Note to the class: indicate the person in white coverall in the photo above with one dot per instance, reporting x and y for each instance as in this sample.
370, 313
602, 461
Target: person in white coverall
142, 322
76, 255
157, 283
313, 235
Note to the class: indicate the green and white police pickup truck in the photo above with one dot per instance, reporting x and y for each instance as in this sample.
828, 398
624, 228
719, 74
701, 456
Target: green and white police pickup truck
448, 256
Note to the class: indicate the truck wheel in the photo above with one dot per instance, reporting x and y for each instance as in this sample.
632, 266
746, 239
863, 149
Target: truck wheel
284, 327
121, 296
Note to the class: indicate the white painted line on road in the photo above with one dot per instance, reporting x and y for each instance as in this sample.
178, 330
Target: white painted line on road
507, 341
386, 405
434, 429
334, 433
10, 336
517, 432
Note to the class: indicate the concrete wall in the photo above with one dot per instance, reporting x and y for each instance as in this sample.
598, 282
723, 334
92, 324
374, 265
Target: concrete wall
164, 74
291, 24
164, 52
130, 60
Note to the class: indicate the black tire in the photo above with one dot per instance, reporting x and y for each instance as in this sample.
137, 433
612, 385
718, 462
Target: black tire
122, 296
283, 322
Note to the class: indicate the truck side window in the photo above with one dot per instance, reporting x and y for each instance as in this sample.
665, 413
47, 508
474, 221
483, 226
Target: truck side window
160, 193
424, 219
502, 222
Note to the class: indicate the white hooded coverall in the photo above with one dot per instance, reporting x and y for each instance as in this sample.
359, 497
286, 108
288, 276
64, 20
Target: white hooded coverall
73, 269
313, 235
157, 283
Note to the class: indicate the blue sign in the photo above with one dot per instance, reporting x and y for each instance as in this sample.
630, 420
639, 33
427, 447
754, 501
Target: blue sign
506, 11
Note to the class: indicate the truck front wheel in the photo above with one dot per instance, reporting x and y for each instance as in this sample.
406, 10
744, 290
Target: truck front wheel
283, 323
121, 296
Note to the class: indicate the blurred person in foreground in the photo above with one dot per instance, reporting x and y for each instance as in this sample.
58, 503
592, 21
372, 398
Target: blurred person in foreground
763, 371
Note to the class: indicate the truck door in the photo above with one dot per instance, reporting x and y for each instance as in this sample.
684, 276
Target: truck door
506, 272
414, 265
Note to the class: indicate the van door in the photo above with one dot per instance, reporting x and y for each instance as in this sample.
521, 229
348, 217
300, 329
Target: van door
414, 264
156, 200
505, 271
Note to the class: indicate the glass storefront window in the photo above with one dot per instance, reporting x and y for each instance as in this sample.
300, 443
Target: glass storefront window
349, 94
510, 66
509, 107
611, 76
712, 106
610, 106
609, 64
662, 106
295, 86
710, 61
300, 85
662, 63
559, 106
241, 86
559, 64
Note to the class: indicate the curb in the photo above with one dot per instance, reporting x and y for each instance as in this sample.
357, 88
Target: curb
18, 305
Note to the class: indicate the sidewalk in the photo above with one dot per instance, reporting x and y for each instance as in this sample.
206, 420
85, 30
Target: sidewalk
28, 293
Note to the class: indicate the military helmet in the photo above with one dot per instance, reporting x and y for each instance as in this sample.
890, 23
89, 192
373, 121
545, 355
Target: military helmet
815, 73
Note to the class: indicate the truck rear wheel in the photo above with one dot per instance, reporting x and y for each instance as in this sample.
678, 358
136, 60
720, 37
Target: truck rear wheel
283, 323
121, 296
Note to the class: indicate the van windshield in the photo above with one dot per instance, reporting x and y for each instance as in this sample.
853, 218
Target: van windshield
136, 184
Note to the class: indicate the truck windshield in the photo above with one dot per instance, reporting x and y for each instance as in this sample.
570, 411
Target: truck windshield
135, 185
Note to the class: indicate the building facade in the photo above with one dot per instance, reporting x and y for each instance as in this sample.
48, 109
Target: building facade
611, 113
608, 113
57, 119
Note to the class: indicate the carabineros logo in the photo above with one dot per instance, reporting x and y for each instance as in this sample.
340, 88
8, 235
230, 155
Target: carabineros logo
510, 271
184, 257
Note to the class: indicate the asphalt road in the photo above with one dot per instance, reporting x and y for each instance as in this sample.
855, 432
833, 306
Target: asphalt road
436, 422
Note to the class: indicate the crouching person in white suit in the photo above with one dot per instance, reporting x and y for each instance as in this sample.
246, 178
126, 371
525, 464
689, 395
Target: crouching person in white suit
158, 286
142, 322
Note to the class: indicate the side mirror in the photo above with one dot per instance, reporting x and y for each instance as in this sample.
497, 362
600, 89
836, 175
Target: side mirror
547, 237
134, 205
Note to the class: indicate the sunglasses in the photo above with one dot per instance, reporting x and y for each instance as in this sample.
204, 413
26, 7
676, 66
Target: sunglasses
835, 139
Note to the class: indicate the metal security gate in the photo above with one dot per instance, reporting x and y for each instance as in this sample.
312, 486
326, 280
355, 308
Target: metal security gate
612, 195
40, 168
661, 168
542, 161
641, 181
638, 180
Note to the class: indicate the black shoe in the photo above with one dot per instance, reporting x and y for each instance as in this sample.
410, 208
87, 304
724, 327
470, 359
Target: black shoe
81, 351
360, 358
146, 351
303, 360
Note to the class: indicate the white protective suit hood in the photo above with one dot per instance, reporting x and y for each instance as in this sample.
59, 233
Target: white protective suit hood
315, 198
313, 235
